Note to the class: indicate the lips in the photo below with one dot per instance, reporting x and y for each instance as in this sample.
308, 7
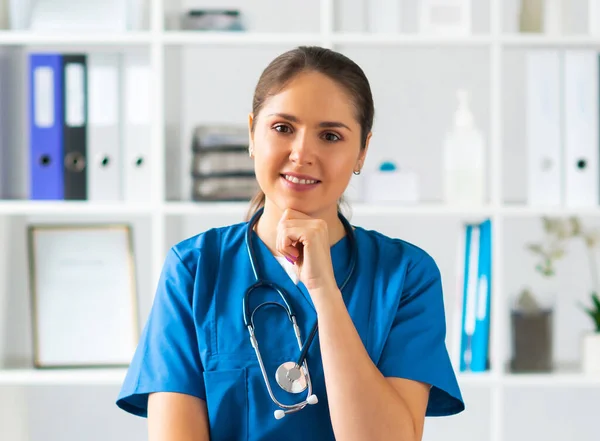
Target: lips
299, 179
299, 183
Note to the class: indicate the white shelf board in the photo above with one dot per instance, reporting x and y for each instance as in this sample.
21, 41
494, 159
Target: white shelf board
61, 377
486, 378
25, 208
433, 209
115, 376
555, 379
30, 38
361, 38
359, 209
205, 208
239, 38
23, 38
532, 211
525, 40
186, 208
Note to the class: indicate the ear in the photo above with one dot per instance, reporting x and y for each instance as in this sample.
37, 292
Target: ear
250, 134
362, 156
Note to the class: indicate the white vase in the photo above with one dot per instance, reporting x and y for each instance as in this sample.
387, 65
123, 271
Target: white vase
590, 353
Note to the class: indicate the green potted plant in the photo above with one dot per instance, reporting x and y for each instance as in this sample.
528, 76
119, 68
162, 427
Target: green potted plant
532, 313
591, 340
590, 354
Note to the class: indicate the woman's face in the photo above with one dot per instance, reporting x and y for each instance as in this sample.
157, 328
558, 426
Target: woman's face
306, 144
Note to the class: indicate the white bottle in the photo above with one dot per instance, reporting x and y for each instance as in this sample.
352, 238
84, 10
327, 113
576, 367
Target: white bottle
594, 17
555, 16
464, 158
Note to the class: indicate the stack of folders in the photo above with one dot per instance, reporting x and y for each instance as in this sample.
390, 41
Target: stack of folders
473, 294
222, 169
562, 117
89, 120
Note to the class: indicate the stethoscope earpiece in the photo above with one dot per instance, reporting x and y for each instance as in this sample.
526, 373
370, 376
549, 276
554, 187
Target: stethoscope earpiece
279, 413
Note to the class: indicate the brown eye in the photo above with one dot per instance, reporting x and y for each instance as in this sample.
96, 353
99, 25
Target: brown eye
282, 128
331, 137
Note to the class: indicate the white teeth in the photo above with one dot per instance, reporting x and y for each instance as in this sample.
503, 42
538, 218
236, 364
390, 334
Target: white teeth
295, 180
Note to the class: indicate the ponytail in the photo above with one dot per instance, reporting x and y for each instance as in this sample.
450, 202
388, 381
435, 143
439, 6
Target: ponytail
257, 202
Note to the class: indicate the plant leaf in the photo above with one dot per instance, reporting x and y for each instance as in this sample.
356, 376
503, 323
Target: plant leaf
557, 253
596, 301
596, 318
592, 239
575, 226
536, 248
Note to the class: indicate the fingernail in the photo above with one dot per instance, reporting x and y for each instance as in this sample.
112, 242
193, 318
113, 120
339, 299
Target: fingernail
289, 260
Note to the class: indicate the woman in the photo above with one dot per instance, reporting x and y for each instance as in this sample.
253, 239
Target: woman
378, 363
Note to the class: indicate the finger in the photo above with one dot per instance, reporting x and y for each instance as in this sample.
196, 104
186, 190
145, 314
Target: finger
289, 242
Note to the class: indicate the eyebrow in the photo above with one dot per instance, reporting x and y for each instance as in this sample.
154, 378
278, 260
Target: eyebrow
325, 124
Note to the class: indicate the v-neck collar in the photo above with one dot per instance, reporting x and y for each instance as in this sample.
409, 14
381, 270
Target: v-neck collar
270, 269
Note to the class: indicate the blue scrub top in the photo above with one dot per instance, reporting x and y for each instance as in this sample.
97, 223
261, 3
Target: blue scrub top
194, 341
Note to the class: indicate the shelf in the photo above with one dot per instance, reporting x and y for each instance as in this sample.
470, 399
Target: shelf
239, 38
188, 208
100, 376
23, 38
25, 208
29, 377
115, 376
486, 378
549, 40
556, 379
360, 38
528, 211
18, 38
205, 208
359, 209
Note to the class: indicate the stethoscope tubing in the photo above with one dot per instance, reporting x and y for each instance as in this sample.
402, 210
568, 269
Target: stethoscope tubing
249, 317
262, 282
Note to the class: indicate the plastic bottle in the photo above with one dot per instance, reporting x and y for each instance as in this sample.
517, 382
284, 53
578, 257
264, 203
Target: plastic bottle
594, 17
464, 160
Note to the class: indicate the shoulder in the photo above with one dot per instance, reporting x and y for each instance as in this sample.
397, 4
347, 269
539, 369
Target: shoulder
207, 246
397, 253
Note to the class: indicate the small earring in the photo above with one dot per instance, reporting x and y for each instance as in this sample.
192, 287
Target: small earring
250, 152
356, 172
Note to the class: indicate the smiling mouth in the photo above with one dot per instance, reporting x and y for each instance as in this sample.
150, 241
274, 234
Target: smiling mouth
300, 181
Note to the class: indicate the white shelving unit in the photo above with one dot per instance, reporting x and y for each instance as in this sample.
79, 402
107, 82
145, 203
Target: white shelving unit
160, 212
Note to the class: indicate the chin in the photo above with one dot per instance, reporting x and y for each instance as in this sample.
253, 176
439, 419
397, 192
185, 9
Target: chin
308, 207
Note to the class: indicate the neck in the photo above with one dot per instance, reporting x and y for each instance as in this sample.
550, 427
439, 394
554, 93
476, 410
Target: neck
266, 227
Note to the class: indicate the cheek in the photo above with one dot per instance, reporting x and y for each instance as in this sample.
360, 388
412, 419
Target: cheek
269, 147
342, 164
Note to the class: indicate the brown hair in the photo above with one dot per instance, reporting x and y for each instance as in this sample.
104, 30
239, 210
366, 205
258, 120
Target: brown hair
333, 64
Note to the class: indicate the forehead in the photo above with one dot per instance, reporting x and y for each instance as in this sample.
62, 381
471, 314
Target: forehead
313, 96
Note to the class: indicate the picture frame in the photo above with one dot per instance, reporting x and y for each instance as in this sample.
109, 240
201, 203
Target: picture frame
83, 293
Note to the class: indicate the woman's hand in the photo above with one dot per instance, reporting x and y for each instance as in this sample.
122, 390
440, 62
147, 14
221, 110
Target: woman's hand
305, 242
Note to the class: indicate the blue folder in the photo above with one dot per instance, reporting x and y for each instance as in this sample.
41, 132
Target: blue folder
46, 104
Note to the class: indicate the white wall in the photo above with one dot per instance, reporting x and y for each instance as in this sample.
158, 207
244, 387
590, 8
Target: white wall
414, 89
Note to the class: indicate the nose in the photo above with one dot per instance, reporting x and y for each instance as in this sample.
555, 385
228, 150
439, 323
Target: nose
302, 152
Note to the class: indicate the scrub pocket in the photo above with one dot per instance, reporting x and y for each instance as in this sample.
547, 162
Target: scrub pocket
227, 404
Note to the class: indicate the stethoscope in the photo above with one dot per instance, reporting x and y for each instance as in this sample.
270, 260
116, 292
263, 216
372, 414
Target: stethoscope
291, 376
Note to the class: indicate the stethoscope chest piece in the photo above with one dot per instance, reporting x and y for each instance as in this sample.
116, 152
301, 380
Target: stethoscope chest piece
290, 378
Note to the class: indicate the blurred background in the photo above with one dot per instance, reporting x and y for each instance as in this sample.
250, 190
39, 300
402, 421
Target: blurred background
123, 131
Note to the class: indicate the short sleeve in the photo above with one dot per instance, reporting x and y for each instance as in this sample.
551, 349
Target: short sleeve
416, 347
167, 357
